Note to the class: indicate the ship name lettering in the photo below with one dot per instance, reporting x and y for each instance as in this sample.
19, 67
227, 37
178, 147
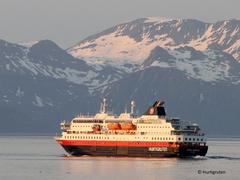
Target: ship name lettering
161, 149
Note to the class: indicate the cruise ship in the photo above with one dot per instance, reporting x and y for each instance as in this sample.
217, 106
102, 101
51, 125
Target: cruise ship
152, 134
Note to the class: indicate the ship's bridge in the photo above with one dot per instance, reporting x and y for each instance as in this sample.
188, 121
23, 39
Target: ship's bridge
103, 116
125, 116
153, 124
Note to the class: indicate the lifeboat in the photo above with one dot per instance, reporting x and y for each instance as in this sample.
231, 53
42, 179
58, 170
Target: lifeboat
113, 126
128, 126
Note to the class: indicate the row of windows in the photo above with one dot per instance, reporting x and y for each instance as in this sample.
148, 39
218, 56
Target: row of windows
85, 137
83, 126
139, 137
138, 126
147, 127
189, 139
153, 126
100, 137
88, 121
74, 132
163, 132
155, 133
153, 138
162, 138
168, 138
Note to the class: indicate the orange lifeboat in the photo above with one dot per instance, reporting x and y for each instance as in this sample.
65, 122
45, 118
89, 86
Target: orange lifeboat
113, 126
128, 126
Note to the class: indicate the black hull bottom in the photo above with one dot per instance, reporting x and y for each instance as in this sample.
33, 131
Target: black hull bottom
181, 151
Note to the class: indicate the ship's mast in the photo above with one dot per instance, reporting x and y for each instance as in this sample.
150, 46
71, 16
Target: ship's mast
104, 106
133, 105
101, 109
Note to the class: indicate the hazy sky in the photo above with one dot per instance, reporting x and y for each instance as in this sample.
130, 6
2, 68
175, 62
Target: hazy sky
68, 21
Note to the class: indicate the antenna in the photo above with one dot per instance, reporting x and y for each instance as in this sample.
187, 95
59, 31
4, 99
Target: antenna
100, 110
104, 106
133, 105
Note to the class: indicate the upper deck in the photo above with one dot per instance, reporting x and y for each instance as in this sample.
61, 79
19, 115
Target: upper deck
152, 125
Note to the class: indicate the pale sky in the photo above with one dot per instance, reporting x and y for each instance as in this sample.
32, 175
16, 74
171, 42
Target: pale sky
68, 21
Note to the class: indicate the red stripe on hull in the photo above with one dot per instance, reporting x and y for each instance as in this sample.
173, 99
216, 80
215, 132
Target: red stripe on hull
115, 143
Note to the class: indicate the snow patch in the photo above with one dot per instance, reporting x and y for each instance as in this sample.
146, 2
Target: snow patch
208, 69
38, 101
117, 47
19, 92
157, 20
28, 44
201, 97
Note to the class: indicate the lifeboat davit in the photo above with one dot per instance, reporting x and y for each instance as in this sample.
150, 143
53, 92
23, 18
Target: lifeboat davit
113, 126
96, 127
128, 126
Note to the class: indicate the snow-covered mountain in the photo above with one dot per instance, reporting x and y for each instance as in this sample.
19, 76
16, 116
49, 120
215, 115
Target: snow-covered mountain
42, 83
134, 40
46, 59
215, 106
210, 65
36, 83
192, 65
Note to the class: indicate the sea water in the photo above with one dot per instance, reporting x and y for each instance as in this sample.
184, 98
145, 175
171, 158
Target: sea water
40, 158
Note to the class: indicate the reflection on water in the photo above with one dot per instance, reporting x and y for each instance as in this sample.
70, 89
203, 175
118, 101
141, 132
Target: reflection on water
41, 158
122, 168
100, 163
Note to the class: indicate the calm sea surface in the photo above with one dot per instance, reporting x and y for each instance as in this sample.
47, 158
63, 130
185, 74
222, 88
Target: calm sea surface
39, 157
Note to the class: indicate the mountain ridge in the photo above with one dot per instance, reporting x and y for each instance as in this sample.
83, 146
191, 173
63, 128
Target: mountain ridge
127, 40
43, 84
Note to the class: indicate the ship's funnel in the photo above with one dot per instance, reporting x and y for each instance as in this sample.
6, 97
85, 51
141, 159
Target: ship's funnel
156, 109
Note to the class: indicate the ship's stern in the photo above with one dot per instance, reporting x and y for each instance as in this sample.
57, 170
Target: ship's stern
188, 150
